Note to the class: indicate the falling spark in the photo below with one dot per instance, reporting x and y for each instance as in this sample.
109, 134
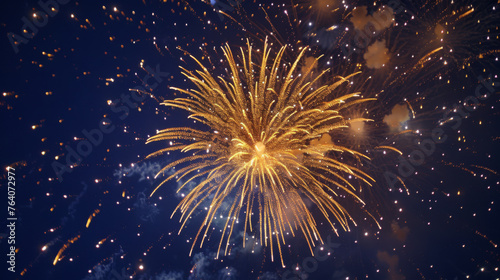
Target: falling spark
91, 216
63, 248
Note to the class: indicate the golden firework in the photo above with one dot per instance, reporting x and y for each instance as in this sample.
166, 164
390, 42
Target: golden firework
267, 150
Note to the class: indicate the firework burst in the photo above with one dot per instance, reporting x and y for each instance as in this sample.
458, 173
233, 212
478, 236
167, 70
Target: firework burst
268, 148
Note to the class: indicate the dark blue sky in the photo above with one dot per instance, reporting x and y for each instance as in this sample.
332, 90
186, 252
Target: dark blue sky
76, 134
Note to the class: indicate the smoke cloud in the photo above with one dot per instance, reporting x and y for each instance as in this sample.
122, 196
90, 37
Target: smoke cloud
377, 55
399, 115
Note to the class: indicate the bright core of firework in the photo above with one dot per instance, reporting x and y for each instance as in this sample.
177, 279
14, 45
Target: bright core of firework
268, 149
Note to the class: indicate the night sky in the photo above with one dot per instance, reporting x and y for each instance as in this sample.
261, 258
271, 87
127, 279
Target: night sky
81, 89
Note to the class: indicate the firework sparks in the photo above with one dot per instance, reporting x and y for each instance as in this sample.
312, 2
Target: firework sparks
63, 248
269, 147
